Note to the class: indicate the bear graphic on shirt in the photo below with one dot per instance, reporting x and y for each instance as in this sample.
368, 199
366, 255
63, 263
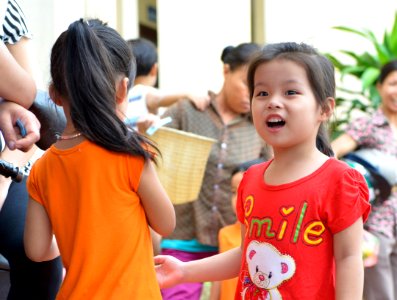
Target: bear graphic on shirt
267, 269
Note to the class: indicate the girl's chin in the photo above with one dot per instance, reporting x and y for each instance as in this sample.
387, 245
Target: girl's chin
392, 108
245, 110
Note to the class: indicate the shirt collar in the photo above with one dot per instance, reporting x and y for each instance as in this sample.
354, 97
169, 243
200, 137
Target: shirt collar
214, 106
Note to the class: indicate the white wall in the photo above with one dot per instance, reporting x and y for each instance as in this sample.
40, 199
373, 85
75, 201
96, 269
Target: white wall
49, 18
191, 37
192, 34
311, 21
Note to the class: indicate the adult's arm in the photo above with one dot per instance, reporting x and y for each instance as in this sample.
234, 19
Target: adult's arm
343, 145
16, 84
10, 112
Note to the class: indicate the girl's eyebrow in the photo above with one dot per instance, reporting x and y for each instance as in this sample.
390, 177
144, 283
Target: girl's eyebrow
285, 82
258, 84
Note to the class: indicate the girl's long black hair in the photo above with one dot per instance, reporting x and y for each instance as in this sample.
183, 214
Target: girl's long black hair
86, 62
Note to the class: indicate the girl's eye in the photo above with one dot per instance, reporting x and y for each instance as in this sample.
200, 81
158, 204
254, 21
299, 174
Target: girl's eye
262, 94
291, 92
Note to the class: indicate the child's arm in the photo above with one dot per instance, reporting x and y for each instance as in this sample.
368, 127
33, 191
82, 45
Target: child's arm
156, 100
215, 291
349, 262
158, 207
171, 271
39, 240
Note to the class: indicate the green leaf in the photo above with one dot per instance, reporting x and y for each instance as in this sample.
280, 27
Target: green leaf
369, 77
366, 68
336, 62
393, 37
365, 59
356, 71
351, 30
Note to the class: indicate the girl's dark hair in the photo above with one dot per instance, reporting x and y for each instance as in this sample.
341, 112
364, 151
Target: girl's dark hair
145, 53
86, 61
240, 55
319, 70
386, 70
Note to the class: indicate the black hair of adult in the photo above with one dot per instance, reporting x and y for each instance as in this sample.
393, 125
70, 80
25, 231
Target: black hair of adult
86, 62
245, 165
145, 53
388, 68
237, 56
320, 73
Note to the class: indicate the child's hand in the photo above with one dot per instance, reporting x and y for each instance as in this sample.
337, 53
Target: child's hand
169, 270
144, 122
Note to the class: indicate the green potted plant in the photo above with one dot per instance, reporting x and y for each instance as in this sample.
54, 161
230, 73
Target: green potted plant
365, 67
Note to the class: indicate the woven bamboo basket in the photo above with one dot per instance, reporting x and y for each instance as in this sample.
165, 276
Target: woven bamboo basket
184, 158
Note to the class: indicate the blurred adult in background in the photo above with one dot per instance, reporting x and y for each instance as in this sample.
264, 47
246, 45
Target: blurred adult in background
227, 119
379, 131
29, 280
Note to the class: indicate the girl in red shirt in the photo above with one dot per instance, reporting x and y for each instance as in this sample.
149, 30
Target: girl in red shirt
303, 211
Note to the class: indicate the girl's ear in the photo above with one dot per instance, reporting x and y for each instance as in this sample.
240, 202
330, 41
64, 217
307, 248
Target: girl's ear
226, 69
54, 95
154, 70
378, 87
122, 90
328, 108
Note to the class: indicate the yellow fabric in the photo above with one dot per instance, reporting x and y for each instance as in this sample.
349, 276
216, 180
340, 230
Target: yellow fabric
99, 222
229, 238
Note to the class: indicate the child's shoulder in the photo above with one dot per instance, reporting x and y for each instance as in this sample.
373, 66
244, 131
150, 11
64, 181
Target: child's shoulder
341, 170
339, 165
257, 168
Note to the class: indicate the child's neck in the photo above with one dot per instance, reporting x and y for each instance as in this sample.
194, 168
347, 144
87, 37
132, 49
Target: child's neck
226, 113
143, 80
288, 166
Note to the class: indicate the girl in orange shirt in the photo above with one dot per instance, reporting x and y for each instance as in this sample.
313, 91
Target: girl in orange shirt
95, 191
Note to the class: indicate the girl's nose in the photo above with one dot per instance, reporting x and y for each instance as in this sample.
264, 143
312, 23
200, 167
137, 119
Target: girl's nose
273, 104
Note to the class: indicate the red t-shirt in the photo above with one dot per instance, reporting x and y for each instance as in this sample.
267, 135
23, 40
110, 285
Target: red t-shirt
288, 248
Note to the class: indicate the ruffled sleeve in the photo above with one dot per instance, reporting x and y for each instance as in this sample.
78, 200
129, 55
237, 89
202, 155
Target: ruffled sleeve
350, 201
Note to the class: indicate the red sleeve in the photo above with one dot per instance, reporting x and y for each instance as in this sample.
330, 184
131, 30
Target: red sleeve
350, 201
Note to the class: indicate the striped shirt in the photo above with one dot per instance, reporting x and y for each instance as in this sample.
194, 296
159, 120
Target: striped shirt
237, 142
14, 22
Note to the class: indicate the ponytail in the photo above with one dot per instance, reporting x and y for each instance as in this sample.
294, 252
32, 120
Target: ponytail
86, 62
322, 141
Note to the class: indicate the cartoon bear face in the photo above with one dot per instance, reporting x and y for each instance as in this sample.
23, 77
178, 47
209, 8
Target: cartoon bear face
267, 267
